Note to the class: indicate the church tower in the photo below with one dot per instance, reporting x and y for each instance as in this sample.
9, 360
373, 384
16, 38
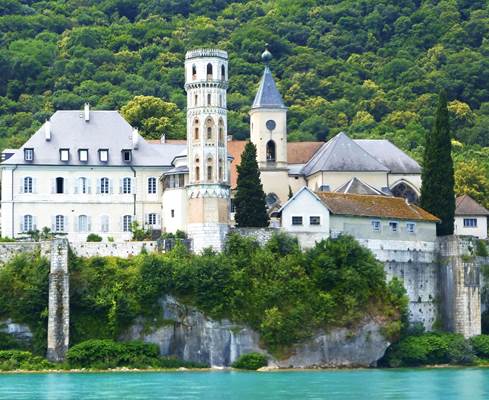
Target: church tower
268, 132
206, 82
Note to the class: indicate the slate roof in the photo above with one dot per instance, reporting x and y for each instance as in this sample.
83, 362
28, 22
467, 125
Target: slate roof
268, 96
105, 130
390, 155
374, 206
466, 205
342, 154
356, 186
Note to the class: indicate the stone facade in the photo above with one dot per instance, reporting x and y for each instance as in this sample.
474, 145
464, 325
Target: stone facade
116, 249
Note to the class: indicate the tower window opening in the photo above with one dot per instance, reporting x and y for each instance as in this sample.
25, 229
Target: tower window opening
271, 154
223, 72
209, 71
194, 72
196, 133
209, 132
208, 99
196, 100
197, 173
209, 172
220, 100
220, 170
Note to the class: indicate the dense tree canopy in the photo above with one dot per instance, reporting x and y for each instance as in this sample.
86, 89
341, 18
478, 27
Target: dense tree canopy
372, 68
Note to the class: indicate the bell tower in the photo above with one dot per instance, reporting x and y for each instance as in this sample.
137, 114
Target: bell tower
206, 82
268, 131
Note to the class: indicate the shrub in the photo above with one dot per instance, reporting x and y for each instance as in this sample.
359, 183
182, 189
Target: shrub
428, 349
481, 249
480, 344
22, 360
8, 342
93, 237
251, 361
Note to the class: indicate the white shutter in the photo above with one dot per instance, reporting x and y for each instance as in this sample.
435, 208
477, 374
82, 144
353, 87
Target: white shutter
21, 224
21, 186
34, 186
146, 219
53, 185
66, 221
133, 185
111, 186
75, 225
121, 223
53, 224
121, 181
77, 183
99, 186
89, 224
158, 220
89, 186
34, 223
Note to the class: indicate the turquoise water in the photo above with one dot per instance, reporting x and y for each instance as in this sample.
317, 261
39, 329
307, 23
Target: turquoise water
426, 384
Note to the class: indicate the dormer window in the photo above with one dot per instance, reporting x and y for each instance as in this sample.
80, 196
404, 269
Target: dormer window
29, 154
64, 155
103, 155
127, 156
83, 155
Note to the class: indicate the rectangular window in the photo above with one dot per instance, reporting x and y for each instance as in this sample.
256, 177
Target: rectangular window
29, 154
376, 226
103, 155
126, 223
410, 227
314, 220
126, 186
104, 223
173, 213
152, 185
470, 222
393, 226
64, 155
296, 220
152, 219
83, 155
104, 185
126, 156
28, 184
59, 223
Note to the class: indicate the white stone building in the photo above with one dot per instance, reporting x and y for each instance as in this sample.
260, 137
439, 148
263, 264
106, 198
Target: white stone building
470, 218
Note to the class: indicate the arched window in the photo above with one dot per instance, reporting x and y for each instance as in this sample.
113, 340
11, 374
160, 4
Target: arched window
209, 124
83, 223
221, 177
271, 157
27, 186
27, 223
221, 132
223, 72
404, 190
196, 129
209, 97
209, 71
60, 185
194, 72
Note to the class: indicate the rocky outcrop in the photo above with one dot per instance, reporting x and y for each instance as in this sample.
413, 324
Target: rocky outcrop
19, 332
188, 334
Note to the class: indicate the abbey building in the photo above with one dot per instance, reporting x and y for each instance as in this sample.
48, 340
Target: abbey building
91, 172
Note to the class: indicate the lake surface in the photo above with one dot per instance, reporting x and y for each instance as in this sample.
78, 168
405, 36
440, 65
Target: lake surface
426, 384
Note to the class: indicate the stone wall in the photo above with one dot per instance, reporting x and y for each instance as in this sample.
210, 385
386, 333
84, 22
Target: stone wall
117, 249
9, 250
261, 235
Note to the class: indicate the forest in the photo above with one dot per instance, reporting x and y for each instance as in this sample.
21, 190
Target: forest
369, 68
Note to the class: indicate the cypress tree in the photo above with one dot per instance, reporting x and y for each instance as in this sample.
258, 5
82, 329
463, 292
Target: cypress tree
437, 189
251, 210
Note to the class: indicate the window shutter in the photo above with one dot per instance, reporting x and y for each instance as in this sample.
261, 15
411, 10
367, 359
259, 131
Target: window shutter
121, 223
99, 186
158, 220
89, 186
76, 227
77, 184
66, 222
121, 181
34, 185
21, 186
89, 224
53, 185
146, 219
111, 186
34, 223
53, 224
133, 185
21, 223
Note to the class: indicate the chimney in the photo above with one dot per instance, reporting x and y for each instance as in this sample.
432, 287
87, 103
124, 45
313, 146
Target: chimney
47, 130
135, 139
163, 139
87, 112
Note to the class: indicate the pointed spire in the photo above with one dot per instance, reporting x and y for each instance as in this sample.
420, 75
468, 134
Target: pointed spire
268, 95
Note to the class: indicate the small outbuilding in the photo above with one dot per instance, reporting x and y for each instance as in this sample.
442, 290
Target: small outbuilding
470, 218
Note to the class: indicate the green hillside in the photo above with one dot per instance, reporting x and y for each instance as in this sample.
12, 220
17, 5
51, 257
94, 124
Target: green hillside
370, 68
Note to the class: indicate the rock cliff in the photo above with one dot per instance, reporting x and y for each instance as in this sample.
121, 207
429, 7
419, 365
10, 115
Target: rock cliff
190, 335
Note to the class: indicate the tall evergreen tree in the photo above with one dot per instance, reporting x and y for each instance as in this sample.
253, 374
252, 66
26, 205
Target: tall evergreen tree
437, 189
251, 210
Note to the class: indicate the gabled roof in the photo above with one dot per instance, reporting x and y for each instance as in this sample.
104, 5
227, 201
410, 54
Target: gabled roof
342, 154
390, 155
301, 152
466, 205
268, 95
374, 206
356, 186
104, 130
296, 195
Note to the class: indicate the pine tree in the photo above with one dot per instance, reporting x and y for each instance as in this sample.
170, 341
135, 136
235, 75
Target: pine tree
437, 189
251, 210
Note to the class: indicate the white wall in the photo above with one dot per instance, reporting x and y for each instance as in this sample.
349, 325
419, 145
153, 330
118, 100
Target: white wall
176, 200
43, 204
479, 231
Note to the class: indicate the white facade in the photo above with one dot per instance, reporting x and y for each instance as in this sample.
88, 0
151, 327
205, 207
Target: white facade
471, 225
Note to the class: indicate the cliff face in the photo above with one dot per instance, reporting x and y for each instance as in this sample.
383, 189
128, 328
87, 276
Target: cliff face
190, 335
